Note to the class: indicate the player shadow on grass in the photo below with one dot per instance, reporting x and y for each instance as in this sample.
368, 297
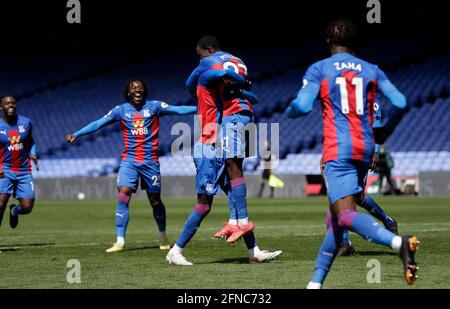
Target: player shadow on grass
375, 252
15, 247
241, 260
140, 248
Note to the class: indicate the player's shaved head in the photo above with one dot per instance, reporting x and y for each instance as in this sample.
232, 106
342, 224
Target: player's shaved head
208, 42
8, 105
6, 97
341, 33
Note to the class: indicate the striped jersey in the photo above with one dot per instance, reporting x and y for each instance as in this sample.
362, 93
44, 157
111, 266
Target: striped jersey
211, 104
348, 87
140, 130
15, 144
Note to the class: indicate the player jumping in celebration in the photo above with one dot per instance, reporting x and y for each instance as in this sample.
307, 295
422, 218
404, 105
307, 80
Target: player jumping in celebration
16, 149
217, 83
139, 119
347, 87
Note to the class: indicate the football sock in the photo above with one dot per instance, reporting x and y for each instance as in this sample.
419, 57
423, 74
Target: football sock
159, 213
239, 192
372, 207
327, 252
177, 249
233, 213
120, 241
254, 251
192, 224
243, 221
346, 238
16, 210
250, 240
345, 233
366, 226
396, 244
122, 215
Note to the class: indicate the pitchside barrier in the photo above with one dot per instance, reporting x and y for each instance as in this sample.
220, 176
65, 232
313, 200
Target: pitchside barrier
434, 183
172, 186
429, 184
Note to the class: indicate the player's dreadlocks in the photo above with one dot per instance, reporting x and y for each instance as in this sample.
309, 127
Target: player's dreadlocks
208, 42
126, 89
341, 32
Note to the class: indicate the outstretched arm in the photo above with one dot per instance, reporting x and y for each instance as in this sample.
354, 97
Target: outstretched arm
398, 101
302, 104
180, 110
90, 128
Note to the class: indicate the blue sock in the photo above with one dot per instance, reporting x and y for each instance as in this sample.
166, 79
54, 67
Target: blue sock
16, 210
192, 224
345, 238
332, 222
366, 226
239, 192
327, 253
159, 213
122, 215
372, 207
233, 212
250, 240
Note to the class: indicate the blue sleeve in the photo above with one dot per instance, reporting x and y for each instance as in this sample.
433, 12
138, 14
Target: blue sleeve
303, 103
33, 150
377, 148
192, 82
211, 76
166, 109
112, 116
250, 96
390, 91
181, 110
193, 79
397, 99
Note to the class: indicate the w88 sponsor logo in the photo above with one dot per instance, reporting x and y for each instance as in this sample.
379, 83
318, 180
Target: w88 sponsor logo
15, 147
139, 131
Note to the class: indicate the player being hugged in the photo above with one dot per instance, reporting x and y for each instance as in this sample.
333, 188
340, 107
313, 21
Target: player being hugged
347, 87
16, 149
139, 120
219, 84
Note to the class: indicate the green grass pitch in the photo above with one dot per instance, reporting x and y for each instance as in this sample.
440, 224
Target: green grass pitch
35, 254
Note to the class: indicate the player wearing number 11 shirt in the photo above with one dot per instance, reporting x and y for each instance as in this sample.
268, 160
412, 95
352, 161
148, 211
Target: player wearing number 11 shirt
347, 86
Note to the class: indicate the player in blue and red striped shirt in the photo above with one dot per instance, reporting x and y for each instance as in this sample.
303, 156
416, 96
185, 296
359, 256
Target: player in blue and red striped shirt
17, 147
366, 201
139, 120
347, 87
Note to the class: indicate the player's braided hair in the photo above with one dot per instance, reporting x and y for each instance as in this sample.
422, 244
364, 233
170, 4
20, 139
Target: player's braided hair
341, 32
128, 85
208, 42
